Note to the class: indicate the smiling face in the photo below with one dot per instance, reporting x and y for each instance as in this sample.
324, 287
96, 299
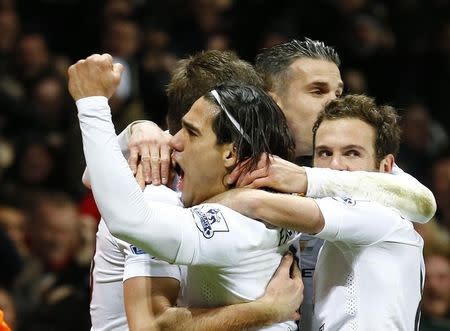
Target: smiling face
201, 162
312, 83
345, 144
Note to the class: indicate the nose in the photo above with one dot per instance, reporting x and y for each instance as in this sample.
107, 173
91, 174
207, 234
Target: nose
176, 142
337, 163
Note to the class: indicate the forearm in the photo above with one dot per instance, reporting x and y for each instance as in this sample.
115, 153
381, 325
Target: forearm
401, 191
236, 317
283, 210
122, 139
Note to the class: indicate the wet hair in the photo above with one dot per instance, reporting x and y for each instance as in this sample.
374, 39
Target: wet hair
264, 127
273, 63
384, 119
198, 74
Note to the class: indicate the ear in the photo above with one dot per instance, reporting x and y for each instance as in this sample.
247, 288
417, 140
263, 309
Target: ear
229, 156
387, 163
276, 98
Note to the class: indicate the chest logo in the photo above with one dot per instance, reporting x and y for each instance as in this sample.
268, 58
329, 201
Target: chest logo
209, 221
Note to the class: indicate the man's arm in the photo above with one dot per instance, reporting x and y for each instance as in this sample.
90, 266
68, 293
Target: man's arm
282, 210
283, 296
155, 228
399, 190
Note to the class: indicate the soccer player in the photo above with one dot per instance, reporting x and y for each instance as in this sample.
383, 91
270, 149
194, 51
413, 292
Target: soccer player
370, 270
230, 258
116, 261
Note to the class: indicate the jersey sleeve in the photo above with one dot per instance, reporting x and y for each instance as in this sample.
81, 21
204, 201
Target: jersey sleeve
122, 139
138, 263
398, 190
359, 222
165, 231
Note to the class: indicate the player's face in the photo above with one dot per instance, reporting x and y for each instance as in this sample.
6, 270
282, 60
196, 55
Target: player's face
199, 160
345, 144
311, 84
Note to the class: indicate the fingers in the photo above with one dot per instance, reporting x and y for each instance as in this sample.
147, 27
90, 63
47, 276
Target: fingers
165, 163
251, 177
140, 176
155, 165
283, 269
295, 271
133, 159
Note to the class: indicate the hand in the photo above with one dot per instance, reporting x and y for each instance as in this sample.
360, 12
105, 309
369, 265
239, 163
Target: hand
284, 293
95, 76
275, 173
151, 143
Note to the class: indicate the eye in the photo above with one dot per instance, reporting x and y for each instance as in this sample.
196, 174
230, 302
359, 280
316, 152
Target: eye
317, 92
190, 132
323, 153
353, 153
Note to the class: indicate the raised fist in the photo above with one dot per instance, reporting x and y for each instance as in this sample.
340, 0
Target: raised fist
97, 75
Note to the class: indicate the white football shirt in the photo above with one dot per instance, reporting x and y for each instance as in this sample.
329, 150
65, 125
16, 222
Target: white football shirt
230, 257
369, 273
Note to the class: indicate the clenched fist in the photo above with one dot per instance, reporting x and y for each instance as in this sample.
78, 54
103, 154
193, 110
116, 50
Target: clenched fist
95, 76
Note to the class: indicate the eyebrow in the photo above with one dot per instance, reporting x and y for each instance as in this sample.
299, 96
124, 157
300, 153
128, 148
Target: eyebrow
353, 146
326, 84
187, 125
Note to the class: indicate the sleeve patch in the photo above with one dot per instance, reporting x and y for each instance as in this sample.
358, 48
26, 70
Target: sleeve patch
136, 250
209, 220
345, 201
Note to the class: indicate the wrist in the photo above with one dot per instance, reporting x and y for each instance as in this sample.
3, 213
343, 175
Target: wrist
266, 310
136, 123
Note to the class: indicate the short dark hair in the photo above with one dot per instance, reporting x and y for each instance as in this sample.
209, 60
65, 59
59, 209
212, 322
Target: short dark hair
273, 63
260, 118
384, 119
198, 74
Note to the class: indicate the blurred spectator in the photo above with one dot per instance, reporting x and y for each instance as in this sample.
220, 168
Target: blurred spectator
34, 167
436, 294
8, 307
10, 259
33, 58
56, 279
436, 238
354, 81
418, 142
13, 222
441, 188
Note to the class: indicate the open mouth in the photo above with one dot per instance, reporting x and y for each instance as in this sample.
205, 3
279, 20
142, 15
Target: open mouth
180, 173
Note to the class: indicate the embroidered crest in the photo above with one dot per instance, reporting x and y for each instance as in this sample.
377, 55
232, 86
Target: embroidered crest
209, 220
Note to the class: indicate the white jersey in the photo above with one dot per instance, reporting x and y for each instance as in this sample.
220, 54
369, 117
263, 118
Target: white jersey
116, 261
230, 257
369, 273
412, 200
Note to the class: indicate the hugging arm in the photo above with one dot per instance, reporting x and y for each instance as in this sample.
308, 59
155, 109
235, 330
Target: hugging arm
283, 295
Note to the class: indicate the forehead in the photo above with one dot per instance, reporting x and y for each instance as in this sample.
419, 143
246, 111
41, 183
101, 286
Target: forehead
345, 131
312, 70
201, 113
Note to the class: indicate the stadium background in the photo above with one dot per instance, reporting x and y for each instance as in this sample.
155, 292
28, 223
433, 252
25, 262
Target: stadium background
397, 51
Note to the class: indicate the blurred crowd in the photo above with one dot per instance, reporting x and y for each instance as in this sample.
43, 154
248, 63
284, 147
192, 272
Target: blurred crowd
397, 51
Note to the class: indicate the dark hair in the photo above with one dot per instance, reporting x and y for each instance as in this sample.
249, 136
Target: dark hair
273, 63
260, 118
198, 74
383, 119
